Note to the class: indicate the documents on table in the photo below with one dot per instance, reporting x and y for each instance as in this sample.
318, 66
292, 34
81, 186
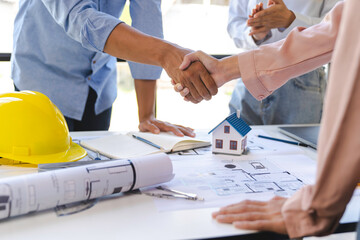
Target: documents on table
39, 191
262, 147
141, 143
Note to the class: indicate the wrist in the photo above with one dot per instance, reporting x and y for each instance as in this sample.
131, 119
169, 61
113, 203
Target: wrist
229, 68
290, 18
146, 116
171, 55
145, 94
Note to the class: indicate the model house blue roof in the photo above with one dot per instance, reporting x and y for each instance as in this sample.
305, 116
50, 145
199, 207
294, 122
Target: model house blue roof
237, 123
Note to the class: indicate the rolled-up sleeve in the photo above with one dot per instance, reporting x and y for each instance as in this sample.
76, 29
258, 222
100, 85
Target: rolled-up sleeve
83, 22
317, 209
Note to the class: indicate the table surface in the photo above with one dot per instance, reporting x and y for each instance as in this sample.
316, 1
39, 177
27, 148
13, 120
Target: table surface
127, 216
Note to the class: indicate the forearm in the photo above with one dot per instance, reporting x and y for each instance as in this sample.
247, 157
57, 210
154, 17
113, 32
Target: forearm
229, 67
317, 209
145, 95
127, 43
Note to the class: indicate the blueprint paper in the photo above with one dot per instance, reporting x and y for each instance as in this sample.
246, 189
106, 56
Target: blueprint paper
223, 180
39, 191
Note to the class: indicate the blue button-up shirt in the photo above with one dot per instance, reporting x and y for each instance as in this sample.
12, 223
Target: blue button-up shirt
58, 49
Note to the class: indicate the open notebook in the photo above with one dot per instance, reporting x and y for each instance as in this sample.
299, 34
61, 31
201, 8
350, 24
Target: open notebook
127, 146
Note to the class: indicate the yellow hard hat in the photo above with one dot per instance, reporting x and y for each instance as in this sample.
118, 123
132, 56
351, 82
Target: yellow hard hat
33, 130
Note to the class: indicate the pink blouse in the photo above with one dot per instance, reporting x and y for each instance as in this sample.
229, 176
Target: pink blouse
317, 209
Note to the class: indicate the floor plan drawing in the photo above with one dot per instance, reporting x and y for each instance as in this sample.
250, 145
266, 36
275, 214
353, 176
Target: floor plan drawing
221, 179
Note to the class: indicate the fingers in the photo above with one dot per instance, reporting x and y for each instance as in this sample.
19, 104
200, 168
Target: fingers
242, 207
148, 126
178, 130
188, 59
178, 87
195, 95
252, 216
209, 82
258, 7
261, 31
155, 126
184, 92
199, 82
186, 131
189, 98
255, 22
237, 210
262, 225
202, 90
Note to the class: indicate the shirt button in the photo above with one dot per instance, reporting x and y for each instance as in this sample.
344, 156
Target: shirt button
261, 97
94, 62
89, 78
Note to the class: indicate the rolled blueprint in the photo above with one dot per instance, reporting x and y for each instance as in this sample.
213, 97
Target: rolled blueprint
39, 191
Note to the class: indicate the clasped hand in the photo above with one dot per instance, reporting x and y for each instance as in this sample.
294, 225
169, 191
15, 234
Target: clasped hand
194, 77
277, 15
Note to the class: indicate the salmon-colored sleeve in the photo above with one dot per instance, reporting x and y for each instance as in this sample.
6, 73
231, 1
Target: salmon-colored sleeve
317, 209
269, 67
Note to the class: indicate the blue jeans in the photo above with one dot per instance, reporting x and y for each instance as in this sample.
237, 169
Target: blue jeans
90, 121
300, 100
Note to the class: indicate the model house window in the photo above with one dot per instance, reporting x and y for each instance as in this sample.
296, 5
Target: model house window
233, 145
226, 129
219, 143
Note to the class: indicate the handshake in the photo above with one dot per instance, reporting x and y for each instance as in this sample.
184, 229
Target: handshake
200, 75
203, 74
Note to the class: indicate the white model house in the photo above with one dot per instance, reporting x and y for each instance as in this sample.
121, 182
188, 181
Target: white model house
229, 137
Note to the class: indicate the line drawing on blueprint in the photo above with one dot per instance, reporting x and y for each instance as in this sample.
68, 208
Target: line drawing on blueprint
223, 180
244, 178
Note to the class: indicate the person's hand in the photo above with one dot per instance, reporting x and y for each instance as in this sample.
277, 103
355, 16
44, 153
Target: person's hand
258, 33
258, 7
156, 126
277, 15
254, 215
195, 78
210, 64
221, 71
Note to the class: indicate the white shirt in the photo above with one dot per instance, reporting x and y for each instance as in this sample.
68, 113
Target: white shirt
307, 13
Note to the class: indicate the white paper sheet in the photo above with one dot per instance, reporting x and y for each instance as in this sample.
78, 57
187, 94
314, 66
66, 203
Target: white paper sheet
223, 180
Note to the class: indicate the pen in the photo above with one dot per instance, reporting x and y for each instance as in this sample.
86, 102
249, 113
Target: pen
147, 141
284, 141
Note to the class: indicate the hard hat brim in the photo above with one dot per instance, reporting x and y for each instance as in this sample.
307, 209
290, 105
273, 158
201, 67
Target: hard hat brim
10, 162
74, 153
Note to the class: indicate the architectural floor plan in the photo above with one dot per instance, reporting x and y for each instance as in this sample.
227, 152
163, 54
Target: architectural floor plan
221, 179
